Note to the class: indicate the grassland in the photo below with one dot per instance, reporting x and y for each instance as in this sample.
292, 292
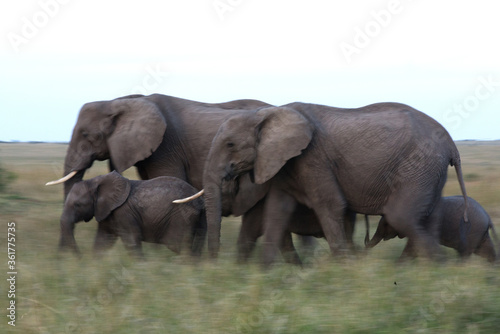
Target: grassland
168, 294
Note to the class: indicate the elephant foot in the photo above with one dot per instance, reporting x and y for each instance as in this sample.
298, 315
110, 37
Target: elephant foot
292, 258
72, 250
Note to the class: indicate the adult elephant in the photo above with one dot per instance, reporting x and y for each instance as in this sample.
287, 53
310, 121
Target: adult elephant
383, 159
159, 135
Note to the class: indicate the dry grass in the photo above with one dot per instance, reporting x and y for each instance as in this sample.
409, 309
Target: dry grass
370, 294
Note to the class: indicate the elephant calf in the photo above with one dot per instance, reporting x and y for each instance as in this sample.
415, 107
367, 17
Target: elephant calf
446, 216
135, 211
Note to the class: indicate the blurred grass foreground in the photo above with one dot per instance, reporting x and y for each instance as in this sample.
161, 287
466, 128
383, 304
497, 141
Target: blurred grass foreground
56, 293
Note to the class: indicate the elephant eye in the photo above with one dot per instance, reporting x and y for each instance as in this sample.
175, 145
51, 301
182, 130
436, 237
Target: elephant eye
230, 145
85, 134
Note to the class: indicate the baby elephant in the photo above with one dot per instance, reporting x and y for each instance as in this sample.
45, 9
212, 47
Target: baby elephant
135, 211
447, 216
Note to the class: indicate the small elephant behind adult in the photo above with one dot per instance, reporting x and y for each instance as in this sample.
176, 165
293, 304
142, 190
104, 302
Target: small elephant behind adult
303, 223
135, 211
446, 216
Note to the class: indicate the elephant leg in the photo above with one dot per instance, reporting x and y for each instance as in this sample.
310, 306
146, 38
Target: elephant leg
184, 239
278, 211
423, 243
132, 240
251, 229
134, 248
406, 211
199, 235
288, 250
104, 239
329, 205
486, 249
408, 252
349, 224
308, 244
331, 220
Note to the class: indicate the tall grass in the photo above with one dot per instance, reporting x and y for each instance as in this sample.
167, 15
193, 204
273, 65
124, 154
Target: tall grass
371, 293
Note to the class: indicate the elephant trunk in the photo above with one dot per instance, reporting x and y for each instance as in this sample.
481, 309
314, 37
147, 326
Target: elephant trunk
78, 160
213, 210
67, 240
68, 184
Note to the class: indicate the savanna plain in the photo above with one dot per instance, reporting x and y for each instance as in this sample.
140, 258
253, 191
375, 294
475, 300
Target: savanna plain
168, 293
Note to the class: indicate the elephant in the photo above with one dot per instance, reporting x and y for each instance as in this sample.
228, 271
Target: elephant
382, 159
135, 211
446, 216
161, 136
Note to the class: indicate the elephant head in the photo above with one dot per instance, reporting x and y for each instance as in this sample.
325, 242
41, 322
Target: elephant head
125, 131
259, 143
97, 197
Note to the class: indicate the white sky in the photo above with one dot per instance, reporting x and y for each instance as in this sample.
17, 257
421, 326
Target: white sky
441, 57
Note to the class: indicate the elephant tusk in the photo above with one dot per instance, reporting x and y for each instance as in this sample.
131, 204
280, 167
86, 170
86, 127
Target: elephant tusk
63, 179
190, 198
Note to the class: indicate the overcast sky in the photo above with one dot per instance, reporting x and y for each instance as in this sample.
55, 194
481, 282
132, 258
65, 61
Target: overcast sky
441, 57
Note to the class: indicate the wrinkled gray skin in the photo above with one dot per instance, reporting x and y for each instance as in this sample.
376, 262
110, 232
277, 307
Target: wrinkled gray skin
383, 159
161, 136
135, 211
446, 218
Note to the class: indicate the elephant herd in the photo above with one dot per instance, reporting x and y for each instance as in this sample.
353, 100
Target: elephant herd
299, 168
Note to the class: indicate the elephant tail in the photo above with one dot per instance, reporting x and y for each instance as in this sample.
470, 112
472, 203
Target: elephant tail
464, 222
458, 169
494, 235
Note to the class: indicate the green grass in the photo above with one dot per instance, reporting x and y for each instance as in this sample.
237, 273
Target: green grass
56, 293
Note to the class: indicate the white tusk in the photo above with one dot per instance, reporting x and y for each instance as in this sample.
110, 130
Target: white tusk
190, 198
63, 179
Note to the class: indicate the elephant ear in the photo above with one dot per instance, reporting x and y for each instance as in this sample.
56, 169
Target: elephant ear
283, 134
111, 191
139, 130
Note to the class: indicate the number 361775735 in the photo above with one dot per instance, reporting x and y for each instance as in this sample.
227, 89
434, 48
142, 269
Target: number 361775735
11, 240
